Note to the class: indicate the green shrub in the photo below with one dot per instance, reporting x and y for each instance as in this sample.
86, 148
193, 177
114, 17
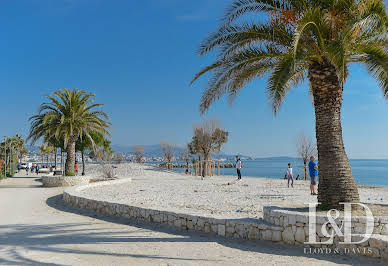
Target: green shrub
69, 174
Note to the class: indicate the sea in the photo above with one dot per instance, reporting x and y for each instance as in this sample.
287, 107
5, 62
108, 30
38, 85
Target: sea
365, 172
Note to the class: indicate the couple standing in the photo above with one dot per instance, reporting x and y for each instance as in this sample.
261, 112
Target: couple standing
313, 171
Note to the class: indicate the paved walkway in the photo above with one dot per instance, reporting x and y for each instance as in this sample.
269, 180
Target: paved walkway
36, 228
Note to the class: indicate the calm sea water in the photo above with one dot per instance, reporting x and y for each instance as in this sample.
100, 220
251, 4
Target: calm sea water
365, 172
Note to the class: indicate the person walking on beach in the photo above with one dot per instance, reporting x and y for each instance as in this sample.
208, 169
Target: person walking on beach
290, 176
76, 168
313, 169
238, 167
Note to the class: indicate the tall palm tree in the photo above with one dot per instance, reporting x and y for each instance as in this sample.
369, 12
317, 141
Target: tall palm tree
68, 114
292, 39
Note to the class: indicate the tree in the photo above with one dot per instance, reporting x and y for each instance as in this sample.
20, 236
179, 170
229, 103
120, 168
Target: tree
119, 157
168, 150
8, 149
208, 138
55, 142
292, 40
139, 153
19, 146
193, 148
45, 149
305, 149
69, 114
83, 145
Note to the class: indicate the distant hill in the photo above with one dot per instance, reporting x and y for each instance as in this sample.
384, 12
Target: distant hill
32, 148
278, 158
149, 150
156, 151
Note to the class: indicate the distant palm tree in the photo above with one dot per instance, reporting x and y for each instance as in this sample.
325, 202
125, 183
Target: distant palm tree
20, 149
45, 149
70, 115
293, 39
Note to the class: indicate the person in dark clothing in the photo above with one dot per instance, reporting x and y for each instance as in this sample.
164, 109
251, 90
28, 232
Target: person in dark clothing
238, 167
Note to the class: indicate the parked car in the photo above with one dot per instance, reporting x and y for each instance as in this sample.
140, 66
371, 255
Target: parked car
22, 166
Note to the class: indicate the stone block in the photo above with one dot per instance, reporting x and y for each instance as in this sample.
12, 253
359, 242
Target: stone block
267, 235
183, 222
200, 222
301, 218
221, 230
384, 229
373, 253
377, 230
240, 230
177, 223
288, 235
190, 225
276, 236
357, 238
230, 229
291, 219
285, 220
207, 228
377, 243
384, 254
214, 228
262, 226
254, 233
359, 228
299, 235
276, 228
321, 219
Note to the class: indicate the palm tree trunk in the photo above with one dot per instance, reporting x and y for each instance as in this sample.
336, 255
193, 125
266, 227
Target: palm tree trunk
70, 159
83, 162
336, 183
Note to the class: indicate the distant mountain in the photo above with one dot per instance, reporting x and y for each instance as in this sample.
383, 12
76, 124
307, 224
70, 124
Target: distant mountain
32, 148
156, 151
278, 158
149, 150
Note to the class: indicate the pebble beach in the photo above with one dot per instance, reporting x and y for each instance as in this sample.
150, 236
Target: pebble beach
218, 197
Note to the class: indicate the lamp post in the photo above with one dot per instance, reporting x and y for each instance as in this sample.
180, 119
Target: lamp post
5, 157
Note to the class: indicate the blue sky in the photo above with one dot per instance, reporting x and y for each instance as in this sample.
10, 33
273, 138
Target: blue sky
138, 57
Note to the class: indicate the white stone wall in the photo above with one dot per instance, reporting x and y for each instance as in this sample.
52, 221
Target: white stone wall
64, 181
278, 225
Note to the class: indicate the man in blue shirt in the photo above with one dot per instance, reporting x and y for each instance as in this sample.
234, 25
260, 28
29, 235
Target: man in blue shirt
313, 169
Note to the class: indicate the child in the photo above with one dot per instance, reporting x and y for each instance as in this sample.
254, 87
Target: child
290, 176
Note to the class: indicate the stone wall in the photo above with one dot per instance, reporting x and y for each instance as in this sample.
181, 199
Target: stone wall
296, 231
278, 225
64, 181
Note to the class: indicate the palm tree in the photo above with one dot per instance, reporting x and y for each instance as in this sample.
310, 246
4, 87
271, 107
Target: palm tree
19, 146
68, 114
89, 144
294, 39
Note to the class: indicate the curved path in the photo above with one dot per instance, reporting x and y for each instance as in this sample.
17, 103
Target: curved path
36, 228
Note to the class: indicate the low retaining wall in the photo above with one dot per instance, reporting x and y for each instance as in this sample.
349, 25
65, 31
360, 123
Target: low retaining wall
64, 181
278, 225
296, 231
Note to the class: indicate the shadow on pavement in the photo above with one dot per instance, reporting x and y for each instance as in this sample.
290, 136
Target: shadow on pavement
279, 249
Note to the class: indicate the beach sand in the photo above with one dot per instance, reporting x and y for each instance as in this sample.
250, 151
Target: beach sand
158, 189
